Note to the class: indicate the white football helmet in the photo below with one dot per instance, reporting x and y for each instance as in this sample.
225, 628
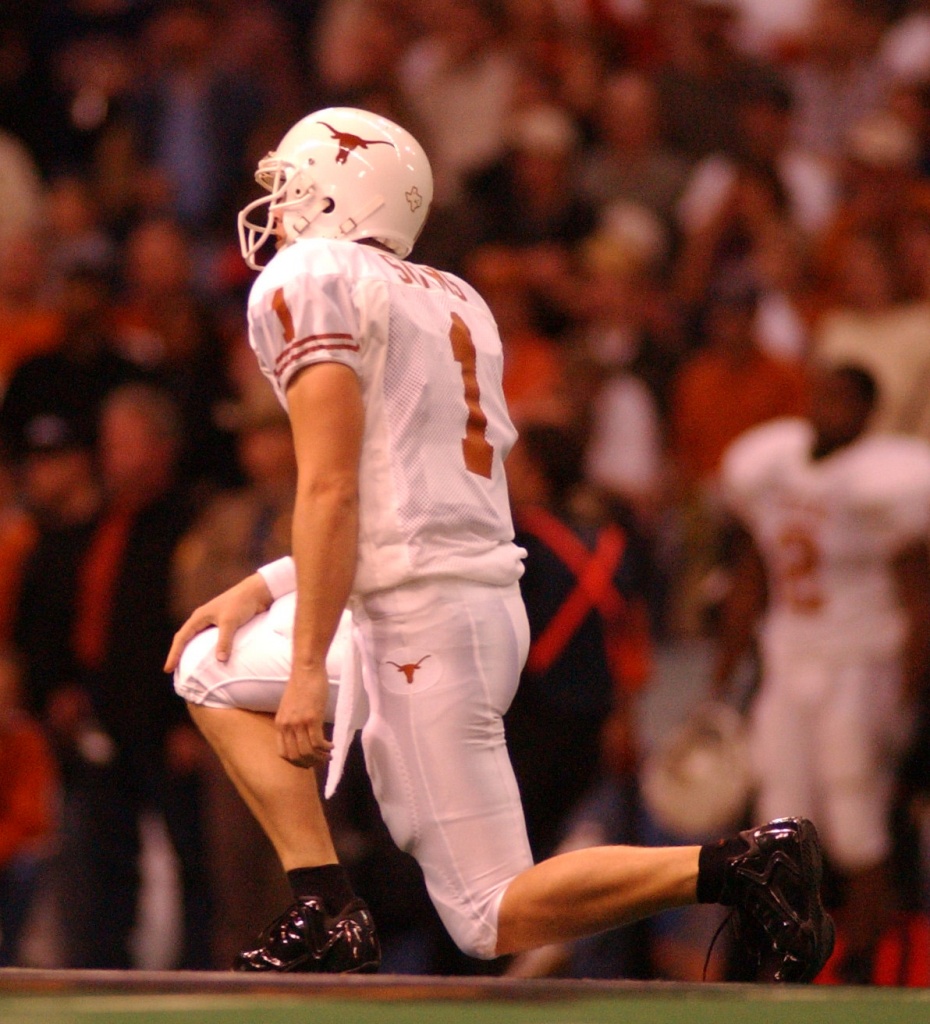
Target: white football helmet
341, 173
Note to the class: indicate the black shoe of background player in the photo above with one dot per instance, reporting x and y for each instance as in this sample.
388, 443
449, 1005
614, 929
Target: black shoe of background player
305, 938
774, 886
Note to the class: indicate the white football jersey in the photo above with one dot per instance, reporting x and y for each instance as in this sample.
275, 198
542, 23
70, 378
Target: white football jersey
428, 355
828, 531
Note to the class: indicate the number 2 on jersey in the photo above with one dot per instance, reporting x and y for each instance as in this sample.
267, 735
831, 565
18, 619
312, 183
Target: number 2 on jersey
478, 452
799, 569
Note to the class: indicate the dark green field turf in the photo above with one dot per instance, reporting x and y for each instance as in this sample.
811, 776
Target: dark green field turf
63, 997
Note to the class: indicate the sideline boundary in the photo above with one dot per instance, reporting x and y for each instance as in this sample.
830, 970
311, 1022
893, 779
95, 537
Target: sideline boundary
41, 996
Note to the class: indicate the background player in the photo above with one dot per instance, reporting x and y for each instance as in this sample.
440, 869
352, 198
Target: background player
834, 568
391, 375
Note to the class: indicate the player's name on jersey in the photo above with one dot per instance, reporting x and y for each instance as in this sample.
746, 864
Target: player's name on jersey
426, 277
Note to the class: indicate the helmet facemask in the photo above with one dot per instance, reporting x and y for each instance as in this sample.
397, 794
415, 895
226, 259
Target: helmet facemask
341, 174
292, 205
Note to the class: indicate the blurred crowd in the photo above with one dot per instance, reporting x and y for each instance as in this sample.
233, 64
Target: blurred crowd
675, 209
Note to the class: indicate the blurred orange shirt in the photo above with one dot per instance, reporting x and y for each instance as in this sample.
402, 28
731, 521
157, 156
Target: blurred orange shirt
715, 400
26, 333
533, 375
18, 535
28, 781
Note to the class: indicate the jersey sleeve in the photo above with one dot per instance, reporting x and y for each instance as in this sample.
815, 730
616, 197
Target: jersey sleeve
753, 461
303, 315
892, 488
280, 576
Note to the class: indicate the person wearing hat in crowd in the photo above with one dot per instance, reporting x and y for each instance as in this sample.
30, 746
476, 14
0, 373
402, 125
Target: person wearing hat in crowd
57, 488
72, 378
93, 619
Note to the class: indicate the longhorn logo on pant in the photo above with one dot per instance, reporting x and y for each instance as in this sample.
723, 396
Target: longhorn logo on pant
348, 143
409, 670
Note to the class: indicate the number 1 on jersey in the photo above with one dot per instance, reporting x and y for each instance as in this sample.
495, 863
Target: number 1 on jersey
478, 452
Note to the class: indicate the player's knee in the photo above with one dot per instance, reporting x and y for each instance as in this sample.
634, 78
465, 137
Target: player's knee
189, 676
477, 939
471, 919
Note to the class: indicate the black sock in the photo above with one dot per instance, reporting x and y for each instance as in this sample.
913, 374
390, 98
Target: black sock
712, 868
329, 883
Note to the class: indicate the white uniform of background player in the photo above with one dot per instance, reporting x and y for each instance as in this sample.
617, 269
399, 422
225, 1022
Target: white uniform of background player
830, 720
439, 630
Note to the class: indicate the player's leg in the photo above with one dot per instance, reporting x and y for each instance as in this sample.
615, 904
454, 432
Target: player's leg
586, 891
444, 663
770, 875
284, 799
326, 928
435, 747
864, 730
785, 737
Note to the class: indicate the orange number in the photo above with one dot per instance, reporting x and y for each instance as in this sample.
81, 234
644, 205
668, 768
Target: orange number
280, 306
799, 569
478, 452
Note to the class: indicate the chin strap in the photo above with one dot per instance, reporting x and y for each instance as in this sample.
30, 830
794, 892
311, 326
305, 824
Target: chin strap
351, 224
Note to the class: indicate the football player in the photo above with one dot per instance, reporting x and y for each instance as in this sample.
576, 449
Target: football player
833, 576
403, 553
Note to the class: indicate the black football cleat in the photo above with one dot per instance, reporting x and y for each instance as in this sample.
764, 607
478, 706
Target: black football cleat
304, 938
774, 887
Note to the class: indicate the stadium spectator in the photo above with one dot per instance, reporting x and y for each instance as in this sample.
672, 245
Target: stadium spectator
22, 193
190, 117
583, 671
789, 301
18, 536
167, 328
535, 379
728, 385
28, 807
73, 378
628, 161
752, 204
29, 321
136, 750
883, 187
357, 52
702, 75
807, 185
460, 78
723, 389
530, 201
873, 324
74, 231
623, 355
839, 76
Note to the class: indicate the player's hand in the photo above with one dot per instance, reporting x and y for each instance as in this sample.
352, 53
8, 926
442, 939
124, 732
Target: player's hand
300, 720
228, 611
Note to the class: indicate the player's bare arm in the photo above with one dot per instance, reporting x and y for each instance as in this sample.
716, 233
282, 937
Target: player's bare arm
327, 419
227, 611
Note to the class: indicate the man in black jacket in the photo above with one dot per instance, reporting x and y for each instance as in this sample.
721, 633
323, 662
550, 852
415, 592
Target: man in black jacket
132, 748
